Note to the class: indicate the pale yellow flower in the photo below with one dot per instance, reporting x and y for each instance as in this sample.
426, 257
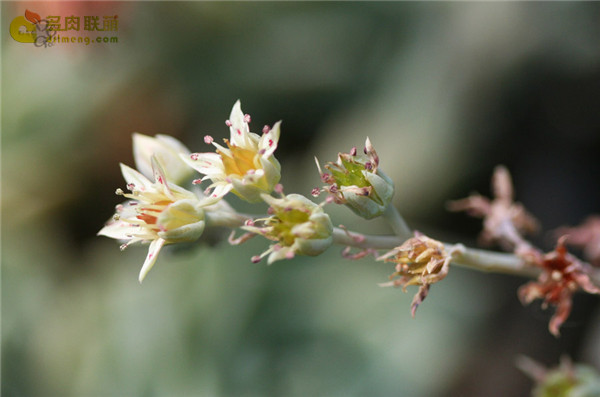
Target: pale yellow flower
246, 166
158, 212
297, 225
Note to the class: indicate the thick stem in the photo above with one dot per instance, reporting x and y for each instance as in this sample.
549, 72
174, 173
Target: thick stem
397, 223
495, 262
352, 239
471, 258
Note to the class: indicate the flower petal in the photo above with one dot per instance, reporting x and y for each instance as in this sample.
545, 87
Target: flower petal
138, 180
239, 128
268, 141
153, 251
160, 178
167, 150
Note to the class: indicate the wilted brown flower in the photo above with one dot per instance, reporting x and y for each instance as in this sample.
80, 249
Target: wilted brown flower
562, 275
586, 236
419, 261
504, 221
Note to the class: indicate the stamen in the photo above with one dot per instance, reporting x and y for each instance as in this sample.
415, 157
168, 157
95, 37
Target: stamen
195, 156
228, 123
278, 188
266, 129
255, 259
247, 118
119, 192
315, 192
197, 181
131, 186
208, 139
353, 151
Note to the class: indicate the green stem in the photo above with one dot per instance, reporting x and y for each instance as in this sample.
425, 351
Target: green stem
397, 223
353, 239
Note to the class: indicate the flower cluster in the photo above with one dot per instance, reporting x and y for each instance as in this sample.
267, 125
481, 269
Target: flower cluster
159, 211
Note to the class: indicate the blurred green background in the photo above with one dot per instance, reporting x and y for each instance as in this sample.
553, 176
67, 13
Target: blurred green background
445, 91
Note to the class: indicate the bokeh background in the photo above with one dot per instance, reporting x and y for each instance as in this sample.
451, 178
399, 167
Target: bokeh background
444, 90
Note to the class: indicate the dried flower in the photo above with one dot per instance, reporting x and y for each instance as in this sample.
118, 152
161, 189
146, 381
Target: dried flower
158, 212
586, 236
504, 220
167, 150
246, 166
562, 275
419, 261
356, 181
297, 225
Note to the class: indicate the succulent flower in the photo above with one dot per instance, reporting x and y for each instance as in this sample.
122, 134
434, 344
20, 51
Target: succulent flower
419, 261
356, 181
297, 225
247, 166
562, 275
167, 151
158, 212
566, 380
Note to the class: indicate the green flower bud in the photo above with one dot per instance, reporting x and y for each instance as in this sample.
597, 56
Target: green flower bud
356, 181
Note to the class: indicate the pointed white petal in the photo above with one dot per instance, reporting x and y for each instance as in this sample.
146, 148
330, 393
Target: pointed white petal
239, 128
131, 176
153, 251
118, 230
159, 176
268, 142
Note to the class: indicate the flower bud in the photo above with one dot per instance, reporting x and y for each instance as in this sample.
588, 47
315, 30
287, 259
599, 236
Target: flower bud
356, 181
167, 151
297, 225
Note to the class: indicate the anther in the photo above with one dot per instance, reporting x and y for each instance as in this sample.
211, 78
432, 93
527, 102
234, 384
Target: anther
247, 118
119, 192
353, 151
266, 129
228, 123
208, 139
195, 156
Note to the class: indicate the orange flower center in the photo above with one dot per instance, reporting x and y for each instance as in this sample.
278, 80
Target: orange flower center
240, 162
